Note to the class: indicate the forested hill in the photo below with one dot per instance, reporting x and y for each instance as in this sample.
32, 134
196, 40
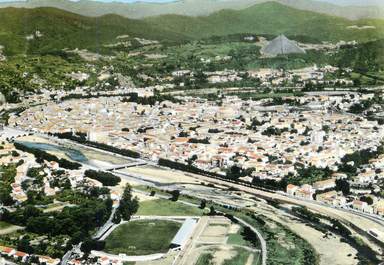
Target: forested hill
139, 9
60, 29
272, 18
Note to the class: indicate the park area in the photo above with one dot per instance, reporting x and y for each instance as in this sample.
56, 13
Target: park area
143, 237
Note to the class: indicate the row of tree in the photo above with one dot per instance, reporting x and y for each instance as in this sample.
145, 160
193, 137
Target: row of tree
106, 178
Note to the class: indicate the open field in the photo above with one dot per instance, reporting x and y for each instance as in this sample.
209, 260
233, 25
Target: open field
204, 259
227, 255
242, 257
142, 237
215, 232
164, 207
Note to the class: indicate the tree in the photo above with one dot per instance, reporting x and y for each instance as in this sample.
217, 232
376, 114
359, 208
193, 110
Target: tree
106, 178
203, 204
31, 211
175, 195
343, 185
212, 211
5, 197
367, 199
117, 217
92, 244
128, 204
234, 172
249, 236
77, 237
24, 246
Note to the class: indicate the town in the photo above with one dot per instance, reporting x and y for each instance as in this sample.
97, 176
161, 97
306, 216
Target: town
191, 133
263, 140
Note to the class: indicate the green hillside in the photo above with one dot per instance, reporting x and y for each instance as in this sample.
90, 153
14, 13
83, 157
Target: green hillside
270, 18
61, 29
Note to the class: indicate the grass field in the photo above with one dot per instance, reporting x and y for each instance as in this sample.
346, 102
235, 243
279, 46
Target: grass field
164, 207
205, 259
241, 258
142, 237
237, 239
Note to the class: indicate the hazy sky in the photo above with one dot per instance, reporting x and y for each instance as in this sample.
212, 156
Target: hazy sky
340, 2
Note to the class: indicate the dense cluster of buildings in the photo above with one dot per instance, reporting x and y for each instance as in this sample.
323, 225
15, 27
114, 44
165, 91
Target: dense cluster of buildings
363, 194
26, 161
270, 139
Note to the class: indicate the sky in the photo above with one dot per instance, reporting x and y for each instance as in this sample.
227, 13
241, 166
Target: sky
126, 1
340, 2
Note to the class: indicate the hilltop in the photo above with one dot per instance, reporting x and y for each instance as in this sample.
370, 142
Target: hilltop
194, 7
271, 18
46, 29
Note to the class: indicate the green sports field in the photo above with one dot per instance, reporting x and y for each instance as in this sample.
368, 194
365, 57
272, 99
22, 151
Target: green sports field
142, 237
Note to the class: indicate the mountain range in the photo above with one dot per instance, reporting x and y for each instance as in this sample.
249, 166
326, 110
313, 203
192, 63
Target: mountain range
45, 29
271, 18
199, 7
